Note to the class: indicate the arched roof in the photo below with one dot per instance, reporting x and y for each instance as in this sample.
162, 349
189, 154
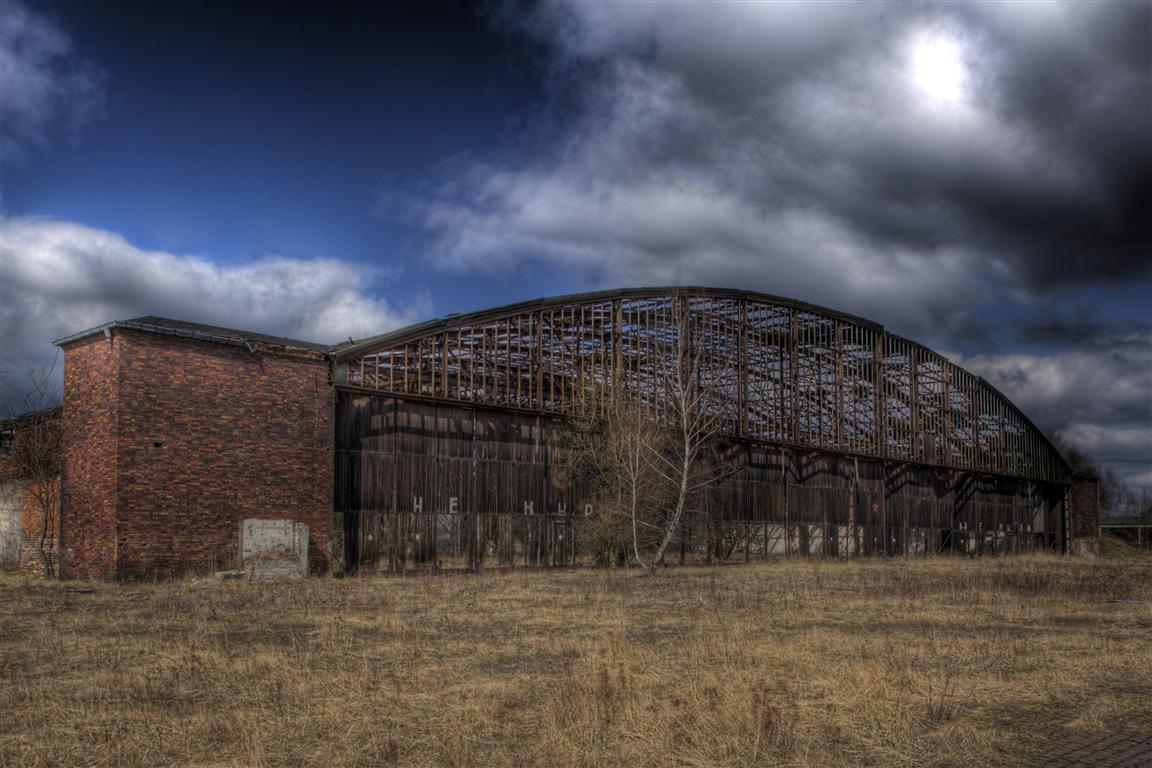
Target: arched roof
782, 371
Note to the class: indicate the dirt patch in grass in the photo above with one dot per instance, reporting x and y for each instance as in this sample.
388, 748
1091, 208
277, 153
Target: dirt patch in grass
803, 663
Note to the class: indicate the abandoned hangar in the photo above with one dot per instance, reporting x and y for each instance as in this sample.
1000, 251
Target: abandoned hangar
442, 444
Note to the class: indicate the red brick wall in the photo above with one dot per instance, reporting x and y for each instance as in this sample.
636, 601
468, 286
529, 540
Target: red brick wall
8, 469
210, 434
88, 511
32, 464
14, 465
40, 499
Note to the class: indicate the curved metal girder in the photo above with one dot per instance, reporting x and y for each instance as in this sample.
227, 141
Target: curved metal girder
782, 371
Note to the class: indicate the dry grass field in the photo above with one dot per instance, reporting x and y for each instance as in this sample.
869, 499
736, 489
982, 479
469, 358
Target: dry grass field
800, 663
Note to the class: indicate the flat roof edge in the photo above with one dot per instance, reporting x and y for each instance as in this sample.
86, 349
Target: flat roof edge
84, 334
186, 333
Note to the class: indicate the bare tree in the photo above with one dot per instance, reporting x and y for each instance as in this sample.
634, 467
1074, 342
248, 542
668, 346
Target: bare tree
654, 447
32, 443
1141, 507
1077, 459
636, 442
620, 449
1116, 497
696, 420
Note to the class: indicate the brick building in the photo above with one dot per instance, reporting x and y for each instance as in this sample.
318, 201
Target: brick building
30, 492
176, 433
441, 443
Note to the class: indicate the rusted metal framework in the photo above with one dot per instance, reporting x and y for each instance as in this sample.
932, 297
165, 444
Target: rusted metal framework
848, 440
784, 373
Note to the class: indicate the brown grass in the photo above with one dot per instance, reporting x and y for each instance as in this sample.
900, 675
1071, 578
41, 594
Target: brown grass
805, 663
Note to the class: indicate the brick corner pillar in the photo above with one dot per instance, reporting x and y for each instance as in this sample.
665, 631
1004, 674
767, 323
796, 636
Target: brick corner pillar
88, 452
1084, 515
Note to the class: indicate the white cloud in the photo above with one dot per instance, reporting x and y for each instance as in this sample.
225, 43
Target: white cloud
687, 229
1106, 384
1099, 398
1142, 479
46, 87
1114, 444
1127, 451
59, 277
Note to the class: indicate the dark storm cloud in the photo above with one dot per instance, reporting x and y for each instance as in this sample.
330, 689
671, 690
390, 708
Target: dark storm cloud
1106, 385
1092, 382
1056, 329
914, 163
1009, 142
1083, 327
1086, 376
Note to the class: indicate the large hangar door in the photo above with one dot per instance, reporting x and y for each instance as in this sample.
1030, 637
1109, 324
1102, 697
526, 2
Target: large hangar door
388, 505
406, 484
365, 455
431, 486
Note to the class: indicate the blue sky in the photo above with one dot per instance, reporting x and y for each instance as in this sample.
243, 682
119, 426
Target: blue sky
974, 176
242, 136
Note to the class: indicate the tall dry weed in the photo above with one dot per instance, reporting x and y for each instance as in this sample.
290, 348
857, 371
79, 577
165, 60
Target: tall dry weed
906, 663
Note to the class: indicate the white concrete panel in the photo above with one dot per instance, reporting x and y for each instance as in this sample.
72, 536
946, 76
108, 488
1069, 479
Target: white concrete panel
10, 534
274, 548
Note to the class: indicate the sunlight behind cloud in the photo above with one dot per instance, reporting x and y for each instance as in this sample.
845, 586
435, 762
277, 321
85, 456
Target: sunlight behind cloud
936, 68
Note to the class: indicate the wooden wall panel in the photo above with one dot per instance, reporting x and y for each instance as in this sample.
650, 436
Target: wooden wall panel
425, 486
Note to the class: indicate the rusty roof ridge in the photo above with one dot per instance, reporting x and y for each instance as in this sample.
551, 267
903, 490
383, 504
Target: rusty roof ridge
338, 351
